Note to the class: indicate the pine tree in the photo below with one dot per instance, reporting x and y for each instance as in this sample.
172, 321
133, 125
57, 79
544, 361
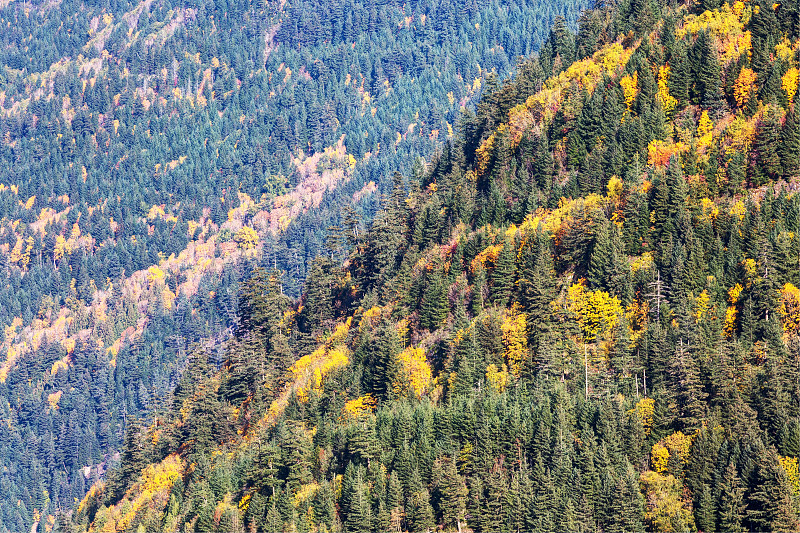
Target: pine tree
730, 503
789, 147
503, 275
435, 305
600, 263
450, 493
770, 506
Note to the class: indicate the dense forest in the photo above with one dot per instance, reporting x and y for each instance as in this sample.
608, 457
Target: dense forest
582, 314
154, 153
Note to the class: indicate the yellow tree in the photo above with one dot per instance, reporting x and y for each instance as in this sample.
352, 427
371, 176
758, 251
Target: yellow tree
789, 83
743, 87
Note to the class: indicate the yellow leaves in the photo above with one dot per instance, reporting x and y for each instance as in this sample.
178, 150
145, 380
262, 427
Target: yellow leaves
157, 211
416, 375
789, 308
487, 255
643, 262
702, 306
720, 22
744, 86
612, 57
61, 364
708, 210
731, 314
155, 275
705, 129
659, 458
789, 465
483, 155
92, 494
668, 102
360, 407
614, 189
62, 248
11, 330
369, 318
310, 370
54, 398
497, 379
29, 202
305, 493
667, 508
247, 238
597, 311
784, 50
515, 338
679, 444
749, 267
630, 88
659, 152
644, 411
20, 255
789, 83
155, 481
738, 210
340, 332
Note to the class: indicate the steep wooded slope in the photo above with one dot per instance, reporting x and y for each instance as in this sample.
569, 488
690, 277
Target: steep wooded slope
583, 316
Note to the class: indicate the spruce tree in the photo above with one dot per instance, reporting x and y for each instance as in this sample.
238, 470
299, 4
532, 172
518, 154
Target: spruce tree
503, 275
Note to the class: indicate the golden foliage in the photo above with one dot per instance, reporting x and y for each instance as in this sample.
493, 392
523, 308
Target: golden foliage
789, 83
598, 312
659, 457
708, 210
668, 102
702, 306
247, 238
718, 22
666, 505
54, 398
731, 317
789, 465
416, 375
789, 308
784, 50
515, 338
152, 490
361, 406
705, 129
630, 88
642, 262
739, 135
310, 370
644, 410
744, 86
497, 379
155, 275
659, 152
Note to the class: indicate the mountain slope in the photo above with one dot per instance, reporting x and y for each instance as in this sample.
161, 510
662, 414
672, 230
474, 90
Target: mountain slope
153, 153
583, 316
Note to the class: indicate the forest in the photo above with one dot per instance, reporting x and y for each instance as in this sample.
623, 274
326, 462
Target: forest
154, 153
582, 314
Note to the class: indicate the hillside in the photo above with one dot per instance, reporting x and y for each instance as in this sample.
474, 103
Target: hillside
152, 153
583, 315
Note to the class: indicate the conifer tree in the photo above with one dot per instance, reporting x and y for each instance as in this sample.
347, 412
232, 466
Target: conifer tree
503, 275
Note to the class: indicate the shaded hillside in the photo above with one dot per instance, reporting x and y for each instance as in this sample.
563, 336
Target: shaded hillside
583, 316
